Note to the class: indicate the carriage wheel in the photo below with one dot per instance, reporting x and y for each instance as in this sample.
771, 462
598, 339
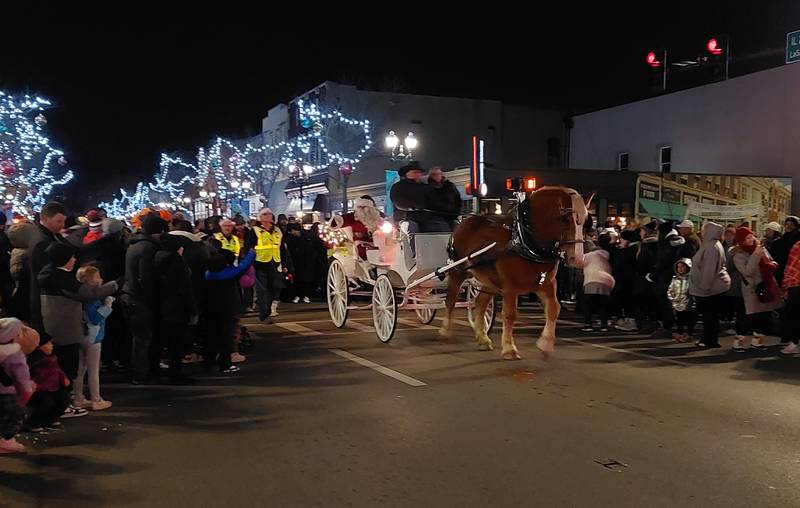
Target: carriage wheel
425, 315
338, 293
488, 317
384, 309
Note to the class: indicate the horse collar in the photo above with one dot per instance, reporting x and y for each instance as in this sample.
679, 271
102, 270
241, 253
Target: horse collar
523, 241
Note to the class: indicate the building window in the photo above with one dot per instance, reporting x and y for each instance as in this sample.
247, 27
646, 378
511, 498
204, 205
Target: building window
665, 159
622, 161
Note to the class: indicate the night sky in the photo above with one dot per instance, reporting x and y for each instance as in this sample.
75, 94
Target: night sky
129, 89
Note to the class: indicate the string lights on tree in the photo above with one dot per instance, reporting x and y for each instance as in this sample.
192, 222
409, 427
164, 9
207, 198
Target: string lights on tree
231, 171
29, 166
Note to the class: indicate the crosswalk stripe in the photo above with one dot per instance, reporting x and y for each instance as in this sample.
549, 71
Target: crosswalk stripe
359, 326
378, 368
415, 324
298, 329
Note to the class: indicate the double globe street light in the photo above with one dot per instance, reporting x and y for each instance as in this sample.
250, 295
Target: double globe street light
401, 151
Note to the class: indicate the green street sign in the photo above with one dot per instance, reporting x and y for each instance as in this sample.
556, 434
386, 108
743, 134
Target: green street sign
793, 47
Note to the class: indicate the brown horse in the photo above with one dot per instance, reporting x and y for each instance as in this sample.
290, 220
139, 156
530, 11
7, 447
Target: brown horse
530, 243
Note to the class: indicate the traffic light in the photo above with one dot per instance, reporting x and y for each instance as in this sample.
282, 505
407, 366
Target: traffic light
657, 61
717, 55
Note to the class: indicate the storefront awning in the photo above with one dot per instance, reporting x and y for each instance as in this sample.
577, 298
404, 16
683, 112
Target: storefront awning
666, 211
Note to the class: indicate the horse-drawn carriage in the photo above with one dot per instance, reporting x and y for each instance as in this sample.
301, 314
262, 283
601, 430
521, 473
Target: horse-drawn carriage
507, 255
392, 278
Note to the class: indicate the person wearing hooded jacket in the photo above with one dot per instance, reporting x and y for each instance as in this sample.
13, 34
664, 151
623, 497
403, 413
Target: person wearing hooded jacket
781, 247
757, 268
682, 302
623, 268
140, 296
709, 282
670, 248
646, 255
598, 283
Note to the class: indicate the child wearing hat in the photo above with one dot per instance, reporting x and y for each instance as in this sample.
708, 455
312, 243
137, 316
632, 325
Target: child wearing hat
16, 386
51, 397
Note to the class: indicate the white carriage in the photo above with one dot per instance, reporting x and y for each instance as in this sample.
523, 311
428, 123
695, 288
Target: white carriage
394, 279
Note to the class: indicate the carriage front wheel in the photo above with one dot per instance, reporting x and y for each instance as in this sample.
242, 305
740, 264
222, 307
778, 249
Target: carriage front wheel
488, 316
384, 308
338, 293
426, 314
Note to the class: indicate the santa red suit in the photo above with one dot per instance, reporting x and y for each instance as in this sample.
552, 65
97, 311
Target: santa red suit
361, 232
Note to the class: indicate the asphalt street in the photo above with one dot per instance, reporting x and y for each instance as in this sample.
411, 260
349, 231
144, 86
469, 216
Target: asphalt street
321, 416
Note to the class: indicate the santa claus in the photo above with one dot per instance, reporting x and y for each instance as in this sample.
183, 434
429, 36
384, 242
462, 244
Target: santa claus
363, 221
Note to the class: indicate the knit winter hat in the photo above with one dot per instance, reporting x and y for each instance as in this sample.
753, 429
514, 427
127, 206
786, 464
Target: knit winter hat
93, 216
28, 340
9, 329
775, 227
153, 224
742, 233
651, 227
60, 253
686, 224
794, 219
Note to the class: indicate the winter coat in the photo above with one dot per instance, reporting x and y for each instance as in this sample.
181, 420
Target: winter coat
38, 258
62, 298
223, 298
46, 372
647, 253
95, 314
409, 199
597, 278
15, 367
736, 277
669, 251
140, 274
709, 275
691, 245
304, 256
748, 266
678, 292
174, 279
444, 198
195, 254
6, 282
623, 267
780, 251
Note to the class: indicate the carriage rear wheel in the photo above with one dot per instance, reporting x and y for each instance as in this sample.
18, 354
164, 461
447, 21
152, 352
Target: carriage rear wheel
488, 316
338, 293
384, 309
426, 314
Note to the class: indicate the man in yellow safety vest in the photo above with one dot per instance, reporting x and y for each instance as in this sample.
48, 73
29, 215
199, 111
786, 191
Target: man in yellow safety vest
227, 238
272, 262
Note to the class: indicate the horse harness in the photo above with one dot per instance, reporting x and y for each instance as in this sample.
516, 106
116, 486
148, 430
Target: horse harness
523, 237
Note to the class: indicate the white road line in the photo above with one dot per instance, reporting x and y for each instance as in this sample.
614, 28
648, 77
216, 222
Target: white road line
628, 352
379, 368
299, 329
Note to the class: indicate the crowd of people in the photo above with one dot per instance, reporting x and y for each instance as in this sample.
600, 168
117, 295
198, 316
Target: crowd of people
143, 300
661, 277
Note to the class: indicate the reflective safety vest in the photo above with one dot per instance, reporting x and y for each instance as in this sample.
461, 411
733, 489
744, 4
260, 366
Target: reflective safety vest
232, 245
268, 247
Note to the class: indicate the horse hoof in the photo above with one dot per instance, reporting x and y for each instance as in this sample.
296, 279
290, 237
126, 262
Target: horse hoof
445, 333
545, 355
485, 345
511, 355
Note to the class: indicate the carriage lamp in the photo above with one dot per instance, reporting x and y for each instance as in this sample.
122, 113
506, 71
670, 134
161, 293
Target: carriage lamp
387, 228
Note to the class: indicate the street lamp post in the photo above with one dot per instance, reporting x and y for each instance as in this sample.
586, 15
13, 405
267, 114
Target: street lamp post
299, 173
401, 151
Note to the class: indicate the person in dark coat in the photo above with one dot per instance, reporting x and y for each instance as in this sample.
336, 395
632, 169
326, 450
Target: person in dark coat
223, 304
443, 197
408, 197
670, 250
692, 241
140, 296
646, 255
623, 268
52, 220
177, 306
301, 247
781, 247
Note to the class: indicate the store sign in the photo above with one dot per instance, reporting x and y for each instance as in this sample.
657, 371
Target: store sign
649, 191
793, 47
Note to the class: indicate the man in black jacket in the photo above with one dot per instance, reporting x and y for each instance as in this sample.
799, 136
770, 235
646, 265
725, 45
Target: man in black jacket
408, 198
52, 219
781, 247
670, 247
444, 198
140, 298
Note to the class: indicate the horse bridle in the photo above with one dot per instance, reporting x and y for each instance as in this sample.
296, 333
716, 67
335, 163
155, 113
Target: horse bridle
523, 237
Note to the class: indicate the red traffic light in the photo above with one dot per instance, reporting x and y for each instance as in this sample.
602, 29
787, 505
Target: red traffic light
714, 47
652, 60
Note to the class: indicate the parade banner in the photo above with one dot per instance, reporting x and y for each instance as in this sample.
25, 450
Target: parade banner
723, 212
